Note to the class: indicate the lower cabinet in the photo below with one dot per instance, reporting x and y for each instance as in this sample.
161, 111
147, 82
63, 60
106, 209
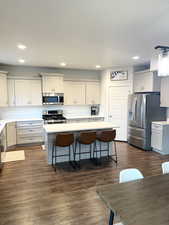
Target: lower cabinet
11, 134
159, 138
29, 132
3, 146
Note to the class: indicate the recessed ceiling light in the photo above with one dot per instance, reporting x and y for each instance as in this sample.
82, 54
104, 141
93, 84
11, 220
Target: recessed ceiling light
136, 57
63, 64
21, 46
21, 60
98, 66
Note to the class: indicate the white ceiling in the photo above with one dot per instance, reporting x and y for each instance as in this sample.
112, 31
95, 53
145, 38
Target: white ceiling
83, 33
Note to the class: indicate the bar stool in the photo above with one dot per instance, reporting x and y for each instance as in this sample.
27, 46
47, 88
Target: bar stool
62, 140
106, 137
85, 138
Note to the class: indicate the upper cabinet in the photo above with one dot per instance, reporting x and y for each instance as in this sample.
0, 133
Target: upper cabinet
92, 93
146, 81
3, 89
74, 93
24, 92
81, 93
164, 92
52, 83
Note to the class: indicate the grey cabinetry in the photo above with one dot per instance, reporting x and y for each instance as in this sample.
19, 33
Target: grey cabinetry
159, 137
29, 132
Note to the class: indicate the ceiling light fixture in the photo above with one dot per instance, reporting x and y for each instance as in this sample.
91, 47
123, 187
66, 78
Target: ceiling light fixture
21, 60
98, 66
21, 46
163, 60
136, 57
63, 64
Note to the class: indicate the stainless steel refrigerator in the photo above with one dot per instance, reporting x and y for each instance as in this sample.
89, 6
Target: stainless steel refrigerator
143, 108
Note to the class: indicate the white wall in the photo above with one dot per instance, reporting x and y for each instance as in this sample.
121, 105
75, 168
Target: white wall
74, 74
36, 112
106, 83
29, 112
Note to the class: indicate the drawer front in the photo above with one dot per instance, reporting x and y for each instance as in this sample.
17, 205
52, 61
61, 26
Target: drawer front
156, 126
29, 139
156, 141
138, 132
30, 123
29, 131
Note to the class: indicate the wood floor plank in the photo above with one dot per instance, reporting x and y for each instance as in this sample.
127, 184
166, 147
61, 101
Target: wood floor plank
33, 194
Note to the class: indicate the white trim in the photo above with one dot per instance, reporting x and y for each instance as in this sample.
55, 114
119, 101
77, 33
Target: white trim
52, 74
24, 78
3, 72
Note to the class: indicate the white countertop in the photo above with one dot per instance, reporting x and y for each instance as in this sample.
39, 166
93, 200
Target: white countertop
161, 122
4, 122
70, 127
82, 117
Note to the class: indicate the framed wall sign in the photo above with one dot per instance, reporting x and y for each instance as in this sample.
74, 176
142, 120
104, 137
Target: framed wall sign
118, 75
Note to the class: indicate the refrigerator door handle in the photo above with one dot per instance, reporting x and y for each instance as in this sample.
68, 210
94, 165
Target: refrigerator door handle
135, 110
143, 103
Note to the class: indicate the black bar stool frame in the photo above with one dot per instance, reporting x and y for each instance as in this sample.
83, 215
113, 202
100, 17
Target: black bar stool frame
106, 150
55, 155
79, 153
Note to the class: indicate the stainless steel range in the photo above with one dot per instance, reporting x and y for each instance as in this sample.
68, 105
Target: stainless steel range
53, 117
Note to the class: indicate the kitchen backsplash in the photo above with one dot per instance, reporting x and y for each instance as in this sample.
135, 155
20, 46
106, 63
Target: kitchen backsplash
36, 112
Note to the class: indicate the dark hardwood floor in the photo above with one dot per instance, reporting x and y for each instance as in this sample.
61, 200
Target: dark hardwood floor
31, 193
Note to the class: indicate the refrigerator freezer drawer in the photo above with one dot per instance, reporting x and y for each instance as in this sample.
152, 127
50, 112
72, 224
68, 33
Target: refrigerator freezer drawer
138, 132
138, 142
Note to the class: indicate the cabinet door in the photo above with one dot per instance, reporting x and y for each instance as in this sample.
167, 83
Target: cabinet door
4, 138
22, 92
143, 82
156, 140
53, 84
11, 92
74, 93
3, 90
164, 92
36, 92
28, 92
92, 93
11, 134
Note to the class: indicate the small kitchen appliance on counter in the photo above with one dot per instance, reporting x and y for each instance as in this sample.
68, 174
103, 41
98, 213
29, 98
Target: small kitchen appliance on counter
53, 117
94, 110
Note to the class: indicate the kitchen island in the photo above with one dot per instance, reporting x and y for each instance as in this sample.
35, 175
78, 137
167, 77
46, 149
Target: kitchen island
51, 130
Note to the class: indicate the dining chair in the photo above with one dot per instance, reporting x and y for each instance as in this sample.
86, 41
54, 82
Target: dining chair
130, 175
165, 167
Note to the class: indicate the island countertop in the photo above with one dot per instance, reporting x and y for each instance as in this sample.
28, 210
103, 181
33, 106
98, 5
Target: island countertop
71, 127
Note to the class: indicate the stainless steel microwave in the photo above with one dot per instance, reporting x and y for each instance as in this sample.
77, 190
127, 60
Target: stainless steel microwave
53, 99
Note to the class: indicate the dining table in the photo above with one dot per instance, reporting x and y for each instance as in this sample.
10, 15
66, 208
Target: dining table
139, 202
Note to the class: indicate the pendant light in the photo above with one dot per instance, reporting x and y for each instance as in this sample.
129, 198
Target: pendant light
163, 60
